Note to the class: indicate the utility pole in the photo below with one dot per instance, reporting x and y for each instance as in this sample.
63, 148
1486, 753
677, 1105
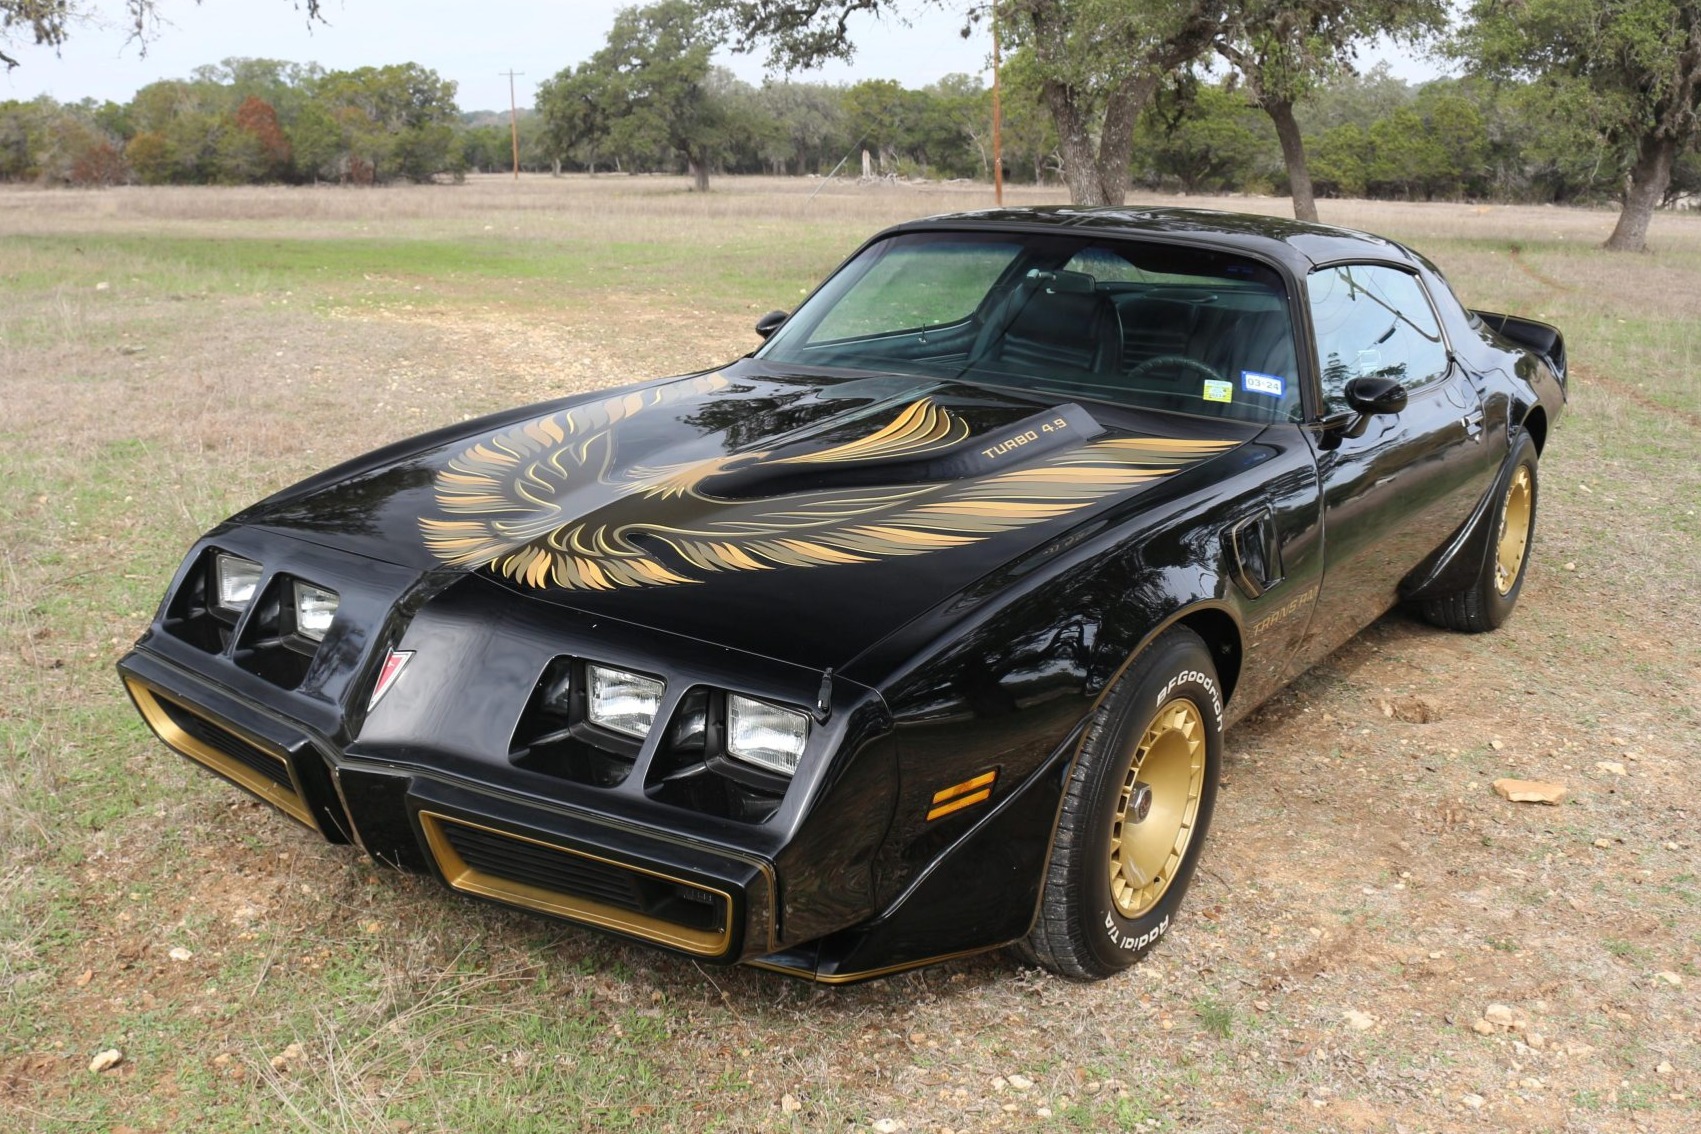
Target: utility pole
997, 117
514, 119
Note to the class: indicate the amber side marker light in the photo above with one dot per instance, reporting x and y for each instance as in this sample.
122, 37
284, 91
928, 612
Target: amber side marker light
966, 794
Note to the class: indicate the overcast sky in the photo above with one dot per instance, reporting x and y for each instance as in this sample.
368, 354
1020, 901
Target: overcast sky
469, 43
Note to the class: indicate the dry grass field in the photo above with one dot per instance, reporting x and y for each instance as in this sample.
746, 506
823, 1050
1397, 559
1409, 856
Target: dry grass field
169, 355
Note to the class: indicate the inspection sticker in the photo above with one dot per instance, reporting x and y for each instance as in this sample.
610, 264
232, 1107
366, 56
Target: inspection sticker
1257, 383
1217, 391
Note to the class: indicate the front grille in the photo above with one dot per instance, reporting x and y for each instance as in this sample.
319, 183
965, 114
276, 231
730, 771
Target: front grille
579, 886
546, 867
261, 771
231, 745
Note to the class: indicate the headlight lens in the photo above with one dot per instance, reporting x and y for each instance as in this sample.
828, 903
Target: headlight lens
236, 580
314, 609
765, 735
623, 702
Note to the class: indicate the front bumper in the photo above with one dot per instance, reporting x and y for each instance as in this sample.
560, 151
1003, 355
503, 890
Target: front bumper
644, 883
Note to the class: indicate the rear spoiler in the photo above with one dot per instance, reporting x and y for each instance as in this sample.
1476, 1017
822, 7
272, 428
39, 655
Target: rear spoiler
1542, 338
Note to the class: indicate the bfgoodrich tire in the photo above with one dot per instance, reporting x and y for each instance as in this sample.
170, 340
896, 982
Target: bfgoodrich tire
1135, 813
1489, 600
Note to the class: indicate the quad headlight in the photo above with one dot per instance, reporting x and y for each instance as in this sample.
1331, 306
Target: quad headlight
765, 735
315, 607
235, 580
622, 702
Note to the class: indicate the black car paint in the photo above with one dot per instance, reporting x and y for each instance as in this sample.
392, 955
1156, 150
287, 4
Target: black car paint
937, 668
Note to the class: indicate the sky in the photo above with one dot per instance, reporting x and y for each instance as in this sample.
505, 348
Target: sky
535, 37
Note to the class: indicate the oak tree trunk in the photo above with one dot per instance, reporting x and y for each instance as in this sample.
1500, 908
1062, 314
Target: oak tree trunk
1649, 178
1293, 156
1098, 175
699, 174
1080, 161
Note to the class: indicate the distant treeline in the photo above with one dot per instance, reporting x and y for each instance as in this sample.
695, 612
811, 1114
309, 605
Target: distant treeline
251, 121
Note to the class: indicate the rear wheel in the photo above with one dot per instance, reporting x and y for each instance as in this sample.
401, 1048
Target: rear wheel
1489, 600
1135, 812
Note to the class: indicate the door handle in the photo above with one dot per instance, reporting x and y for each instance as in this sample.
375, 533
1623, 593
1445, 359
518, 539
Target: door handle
1473, 424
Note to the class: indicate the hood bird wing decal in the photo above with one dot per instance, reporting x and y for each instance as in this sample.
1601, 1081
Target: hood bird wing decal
516, 502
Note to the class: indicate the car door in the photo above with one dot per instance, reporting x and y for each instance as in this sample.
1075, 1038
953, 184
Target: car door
1395, 486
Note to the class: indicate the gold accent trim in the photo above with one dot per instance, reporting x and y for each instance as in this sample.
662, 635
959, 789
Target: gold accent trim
289, 802
966, 794
545, 503
1514, 530
460, 876
920, 428
1147, 851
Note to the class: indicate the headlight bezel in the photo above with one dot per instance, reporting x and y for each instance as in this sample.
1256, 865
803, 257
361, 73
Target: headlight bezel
232, 609
310, 632
778, 762
632, 679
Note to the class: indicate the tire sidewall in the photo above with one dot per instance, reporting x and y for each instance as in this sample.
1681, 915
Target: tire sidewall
1178, 665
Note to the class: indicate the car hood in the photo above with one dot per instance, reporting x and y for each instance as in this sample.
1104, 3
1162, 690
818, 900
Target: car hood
799, 516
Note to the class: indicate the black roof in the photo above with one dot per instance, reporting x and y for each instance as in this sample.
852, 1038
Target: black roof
1299, 244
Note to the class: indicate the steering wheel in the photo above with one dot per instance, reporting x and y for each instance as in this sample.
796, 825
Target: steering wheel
1181, 360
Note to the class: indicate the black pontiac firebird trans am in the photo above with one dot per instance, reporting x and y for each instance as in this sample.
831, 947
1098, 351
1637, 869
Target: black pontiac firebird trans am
913, 633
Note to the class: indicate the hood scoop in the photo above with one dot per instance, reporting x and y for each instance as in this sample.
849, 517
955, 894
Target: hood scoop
926, 444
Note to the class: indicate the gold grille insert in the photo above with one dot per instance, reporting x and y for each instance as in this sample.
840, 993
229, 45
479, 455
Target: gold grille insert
163, 712
580, 907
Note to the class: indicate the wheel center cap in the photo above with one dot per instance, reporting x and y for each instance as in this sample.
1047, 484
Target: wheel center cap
1139, 802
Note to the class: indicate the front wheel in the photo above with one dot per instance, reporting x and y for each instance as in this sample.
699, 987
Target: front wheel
1489, 600
1135, 812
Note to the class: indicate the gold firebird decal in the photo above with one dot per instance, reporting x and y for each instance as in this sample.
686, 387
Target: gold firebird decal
542, 504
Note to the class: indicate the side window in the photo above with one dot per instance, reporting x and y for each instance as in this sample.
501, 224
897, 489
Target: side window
1369, 320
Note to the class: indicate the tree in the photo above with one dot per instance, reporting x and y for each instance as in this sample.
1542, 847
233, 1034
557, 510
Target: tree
960, 115
648, 90
1284, 49
22, 127
395, 121
1633, 65
189, 119
1098, 62
1202, 135
809, 126
315, 143
1030, 137
878, 112
48, 23
570, 104
257, 119
1338, 160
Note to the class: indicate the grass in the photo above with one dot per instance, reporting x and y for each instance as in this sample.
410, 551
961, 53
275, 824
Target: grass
245, 338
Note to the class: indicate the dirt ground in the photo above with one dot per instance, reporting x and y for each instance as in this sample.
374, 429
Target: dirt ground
1376, 941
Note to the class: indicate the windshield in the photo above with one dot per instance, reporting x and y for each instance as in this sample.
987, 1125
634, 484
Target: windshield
1148, 325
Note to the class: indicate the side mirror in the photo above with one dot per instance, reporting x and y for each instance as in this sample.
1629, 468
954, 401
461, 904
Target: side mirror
769, 323
1374, 394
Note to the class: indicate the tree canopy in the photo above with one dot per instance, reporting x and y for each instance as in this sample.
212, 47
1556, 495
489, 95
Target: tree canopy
1629, 69
1561, 100
649, 89
48, 23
